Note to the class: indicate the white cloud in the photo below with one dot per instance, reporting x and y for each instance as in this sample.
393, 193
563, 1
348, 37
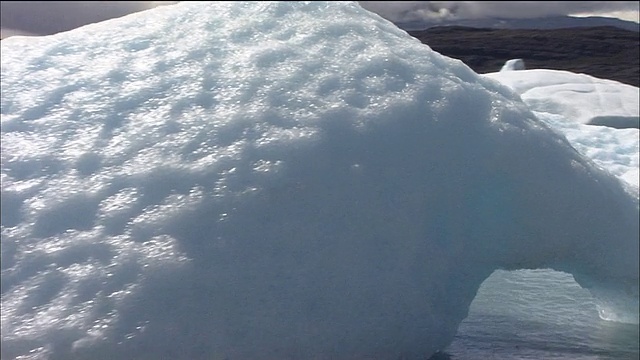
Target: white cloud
624, 15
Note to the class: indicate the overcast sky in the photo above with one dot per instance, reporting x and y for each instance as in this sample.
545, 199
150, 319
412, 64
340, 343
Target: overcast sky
458, 10
49, 17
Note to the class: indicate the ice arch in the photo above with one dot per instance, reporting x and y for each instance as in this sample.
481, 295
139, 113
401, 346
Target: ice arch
517, 313
276, 180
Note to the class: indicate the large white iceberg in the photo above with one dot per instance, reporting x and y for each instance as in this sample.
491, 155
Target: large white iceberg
278, 180
578, 97
599, 117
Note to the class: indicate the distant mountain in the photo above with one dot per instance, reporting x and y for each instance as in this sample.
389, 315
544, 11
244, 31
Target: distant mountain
604, 52
555, 22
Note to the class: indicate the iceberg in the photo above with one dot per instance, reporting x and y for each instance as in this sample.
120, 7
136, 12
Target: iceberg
599, 117
577, 97
262, 180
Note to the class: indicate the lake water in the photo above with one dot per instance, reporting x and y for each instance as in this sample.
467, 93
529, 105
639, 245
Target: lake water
539, 314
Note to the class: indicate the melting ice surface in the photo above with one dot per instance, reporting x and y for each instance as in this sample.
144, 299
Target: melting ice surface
278, 180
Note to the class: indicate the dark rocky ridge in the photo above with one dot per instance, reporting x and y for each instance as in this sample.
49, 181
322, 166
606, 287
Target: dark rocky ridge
547, 22
605, 52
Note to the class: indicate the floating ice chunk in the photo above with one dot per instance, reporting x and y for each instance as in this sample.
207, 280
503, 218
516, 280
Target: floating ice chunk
512, 65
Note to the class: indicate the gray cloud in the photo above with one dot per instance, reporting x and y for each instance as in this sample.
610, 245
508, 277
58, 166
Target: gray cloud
434, 11
50, 17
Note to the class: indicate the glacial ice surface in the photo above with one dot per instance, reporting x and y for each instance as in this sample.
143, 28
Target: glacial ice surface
276, 180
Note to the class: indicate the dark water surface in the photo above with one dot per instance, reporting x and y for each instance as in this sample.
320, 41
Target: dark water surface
539, 314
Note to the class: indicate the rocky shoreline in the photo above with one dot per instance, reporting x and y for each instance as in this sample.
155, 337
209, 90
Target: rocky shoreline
605, 52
